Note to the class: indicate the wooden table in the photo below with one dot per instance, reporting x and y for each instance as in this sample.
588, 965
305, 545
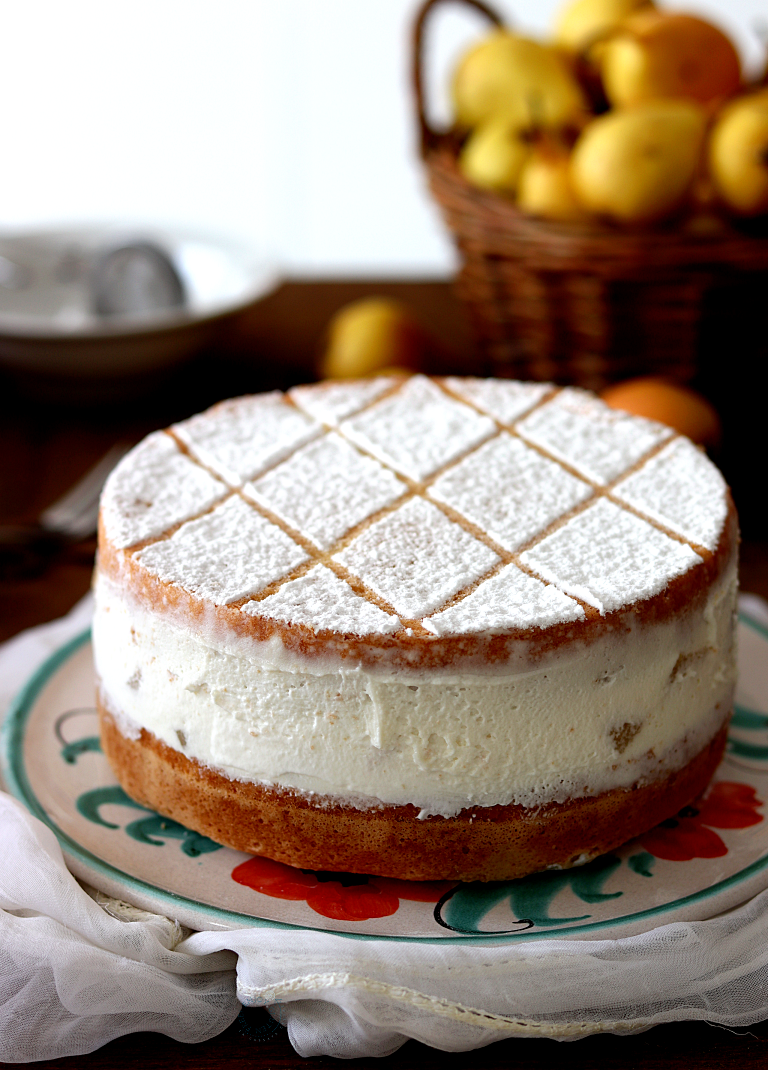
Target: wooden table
47, 444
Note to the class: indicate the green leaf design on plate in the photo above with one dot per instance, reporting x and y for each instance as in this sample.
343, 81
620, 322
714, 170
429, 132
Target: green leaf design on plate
192, 843
144, 829
70, 752
89, 803
642, 864
530, 897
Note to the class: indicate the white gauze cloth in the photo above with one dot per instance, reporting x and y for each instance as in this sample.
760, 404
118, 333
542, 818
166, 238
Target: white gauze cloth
73, 977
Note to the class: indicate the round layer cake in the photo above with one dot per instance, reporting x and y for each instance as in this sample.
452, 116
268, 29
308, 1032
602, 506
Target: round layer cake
432, 629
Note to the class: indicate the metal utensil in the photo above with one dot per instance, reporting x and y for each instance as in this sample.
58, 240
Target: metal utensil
135, 279
27, 549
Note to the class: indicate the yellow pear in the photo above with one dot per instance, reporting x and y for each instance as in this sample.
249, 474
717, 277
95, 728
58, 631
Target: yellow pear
369, 337
545, 189
526, 81
493, 155
738, 154
659, 55
582, 22
638, 165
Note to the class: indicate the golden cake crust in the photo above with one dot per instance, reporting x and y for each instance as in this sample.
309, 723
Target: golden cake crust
481, 843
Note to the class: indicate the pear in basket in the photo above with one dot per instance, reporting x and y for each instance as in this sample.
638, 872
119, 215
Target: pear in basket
657, 54
738, 154
527, 82
582, 22
638, 165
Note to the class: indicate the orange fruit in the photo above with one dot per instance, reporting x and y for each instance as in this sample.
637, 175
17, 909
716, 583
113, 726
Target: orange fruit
670, 403
665, 55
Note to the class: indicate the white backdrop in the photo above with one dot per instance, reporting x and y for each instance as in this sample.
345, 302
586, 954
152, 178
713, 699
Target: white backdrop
287, 122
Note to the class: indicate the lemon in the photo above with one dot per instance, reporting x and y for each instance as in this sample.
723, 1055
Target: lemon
637, 165
527, 82
738, 154
369, 337
493, 155
582, 22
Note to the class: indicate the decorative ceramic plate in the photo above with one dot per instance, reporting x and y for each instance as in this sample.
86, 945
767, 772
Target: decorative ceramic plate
711, 857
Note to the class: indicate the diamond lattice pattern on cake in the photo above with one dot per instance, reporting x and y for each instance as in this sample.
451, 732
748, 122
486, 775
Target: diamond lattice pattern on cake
154, 488
447, 506
320, 600
416, 558
598, 442
224, 555
240, 438
326, 488
504, 399
333, 401
608, 557
419, 429
676, 489
509, 490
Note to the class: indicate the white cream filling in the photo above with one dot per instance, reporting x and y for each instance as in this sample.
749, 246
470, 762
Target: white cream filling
618, 710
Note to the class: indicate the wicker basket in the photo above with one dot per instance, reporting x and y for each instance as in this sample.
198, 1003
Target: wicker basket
587, 303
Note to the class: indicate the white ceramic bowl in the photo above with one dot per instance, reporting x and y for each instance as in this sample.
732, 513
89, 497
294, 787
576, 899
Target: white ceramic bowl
47, 321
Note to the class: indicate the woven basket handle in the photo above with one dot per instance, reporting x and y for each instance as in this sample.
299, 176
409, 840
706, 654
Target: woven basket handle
430, 136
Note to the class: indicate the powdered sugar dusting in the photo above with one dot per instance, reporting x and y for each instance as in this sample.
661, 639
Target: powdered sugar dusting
609, 558
225, 555
511, 599
509, 490
416, 558
418, 429
333, 401
237, 439
321, 601
682, 489
326, 488
152, 489
504, 399
596, 440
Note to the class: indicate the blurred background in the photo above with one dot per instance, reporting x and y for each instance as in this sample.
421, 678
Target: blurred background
287, 123
272, 149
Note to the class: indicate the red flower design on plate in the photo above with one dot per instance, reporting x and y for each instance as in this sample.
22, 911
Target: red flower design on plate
341, 896
727, 805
